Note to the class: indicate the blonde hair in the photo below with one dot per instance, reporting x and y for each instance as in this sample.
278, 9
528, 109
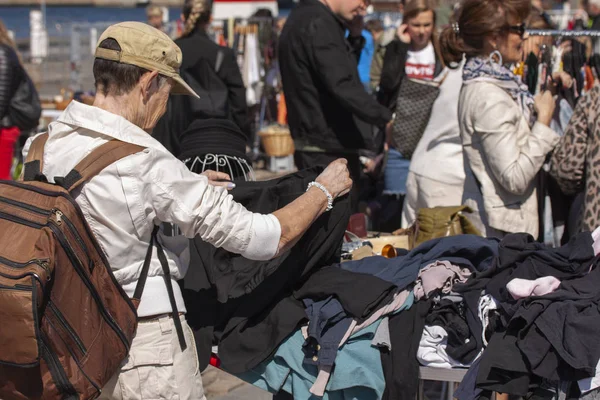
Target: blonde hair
195, 12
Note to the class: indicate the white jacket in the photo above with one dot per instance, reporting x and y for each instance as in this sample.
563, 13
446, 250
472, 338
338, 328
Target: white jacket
502, 157
124, 202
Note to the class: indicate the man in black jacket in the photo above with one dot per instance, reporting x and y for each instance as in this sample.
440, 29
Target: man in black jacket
328, 107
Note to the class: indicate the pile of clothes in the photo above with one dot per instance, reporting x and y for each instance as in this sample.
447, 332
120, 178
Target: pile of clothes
521, 316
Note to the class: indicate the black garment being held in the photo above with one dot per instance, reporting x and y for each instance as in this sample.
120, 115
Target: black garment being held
255, 310
327, 104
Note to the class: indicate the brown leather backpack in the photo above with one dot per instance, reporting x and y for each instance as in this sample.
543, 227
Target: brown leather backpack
66, 325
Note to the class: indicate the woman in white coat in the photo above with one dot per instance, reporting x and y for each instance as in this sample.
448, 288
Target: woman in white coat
504, 130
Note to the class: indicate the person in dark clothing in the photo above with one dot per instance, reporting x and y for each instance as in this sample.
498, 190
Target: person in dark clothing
11, 76
329, 111
215, 69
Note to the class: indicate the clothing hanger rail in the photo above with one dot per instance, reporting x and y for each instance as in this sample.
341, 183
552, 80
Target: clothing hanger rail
563, 33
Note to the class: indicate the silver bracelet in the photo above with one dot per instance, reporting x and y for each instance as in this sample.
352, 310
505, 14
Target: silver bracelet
329, 196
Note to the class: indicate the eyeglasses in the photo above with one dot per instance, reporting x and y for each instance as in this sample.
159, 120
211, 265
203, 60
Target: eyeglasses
518, 29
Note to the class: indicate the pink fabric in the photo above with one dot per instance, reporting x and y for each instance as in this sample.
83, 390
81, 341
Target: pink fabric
318, 388
521, 288
439, 275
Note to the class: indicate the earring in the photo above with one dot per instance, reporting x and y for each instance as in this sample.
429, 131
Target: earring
495, 55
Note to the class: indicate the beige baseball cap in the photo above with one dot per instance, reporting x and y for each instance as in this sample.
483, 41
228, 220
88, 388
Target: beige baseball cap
148, 48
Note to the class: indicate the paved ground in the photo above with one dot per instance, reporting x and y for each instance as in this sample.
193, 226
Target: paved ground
219, 385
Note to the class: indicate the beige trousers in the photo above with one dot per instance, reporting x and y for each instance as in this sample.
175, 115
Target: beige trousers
156, 368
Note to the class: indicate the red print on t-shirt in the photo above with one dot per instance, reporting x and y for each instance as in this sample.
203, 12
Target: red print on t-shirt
420, 71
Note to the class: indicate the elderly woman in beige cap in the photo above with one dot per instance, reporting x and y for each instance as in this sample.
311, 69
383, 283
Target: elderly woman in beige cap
135, 69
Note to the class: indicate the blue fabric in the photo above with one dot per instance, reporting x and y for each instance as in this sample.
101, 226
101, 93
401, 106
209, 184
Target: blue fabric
366, 57
396, 173
469, 251
358, 374
332, 324
467, 390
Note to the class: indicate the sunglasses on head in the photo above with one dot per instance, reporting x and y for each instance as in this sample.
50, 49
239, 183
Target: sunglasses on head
518, 29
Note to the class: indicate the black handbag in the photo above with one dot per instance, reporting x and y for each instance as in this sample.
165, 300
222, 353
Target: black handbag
413, 110
25, 108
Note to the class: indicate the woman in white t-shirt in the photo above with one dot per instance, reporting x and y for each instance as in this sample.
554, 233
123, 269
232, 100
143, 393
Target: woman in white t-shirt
434, 175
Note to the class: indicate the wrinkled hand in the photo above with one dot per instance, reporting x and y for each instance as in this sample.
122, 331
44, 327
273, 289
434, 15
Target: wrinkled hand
544, 106
336, 178
219, 179
403, 34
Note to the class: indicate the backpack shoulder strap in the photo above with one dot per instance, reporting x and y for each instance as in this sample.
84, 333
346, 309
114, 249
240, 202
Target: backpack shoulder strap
35, 158
96, 161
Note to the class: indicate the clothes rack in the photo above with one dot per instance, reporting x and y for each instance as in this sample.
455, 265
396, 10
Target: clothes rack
563, 33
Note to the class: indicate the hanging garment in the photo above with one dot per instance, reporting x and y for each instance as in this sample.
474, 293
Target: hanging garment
400, 366
467, 389
249, 305
252, 70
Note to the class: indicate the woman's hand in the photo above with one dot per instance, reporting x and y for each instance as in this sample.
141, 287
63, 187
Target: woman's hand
219, 179
336, 178
544, 106
403, 34
562, 77
370, 165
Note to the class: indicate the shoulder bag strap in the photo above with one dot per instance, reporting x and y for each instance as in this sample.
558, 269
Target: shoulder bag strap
35, 159
97, 161
139, 289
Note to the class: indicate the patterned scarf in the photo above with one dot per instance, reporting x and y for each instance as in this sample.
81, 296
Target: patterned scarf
481, 70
